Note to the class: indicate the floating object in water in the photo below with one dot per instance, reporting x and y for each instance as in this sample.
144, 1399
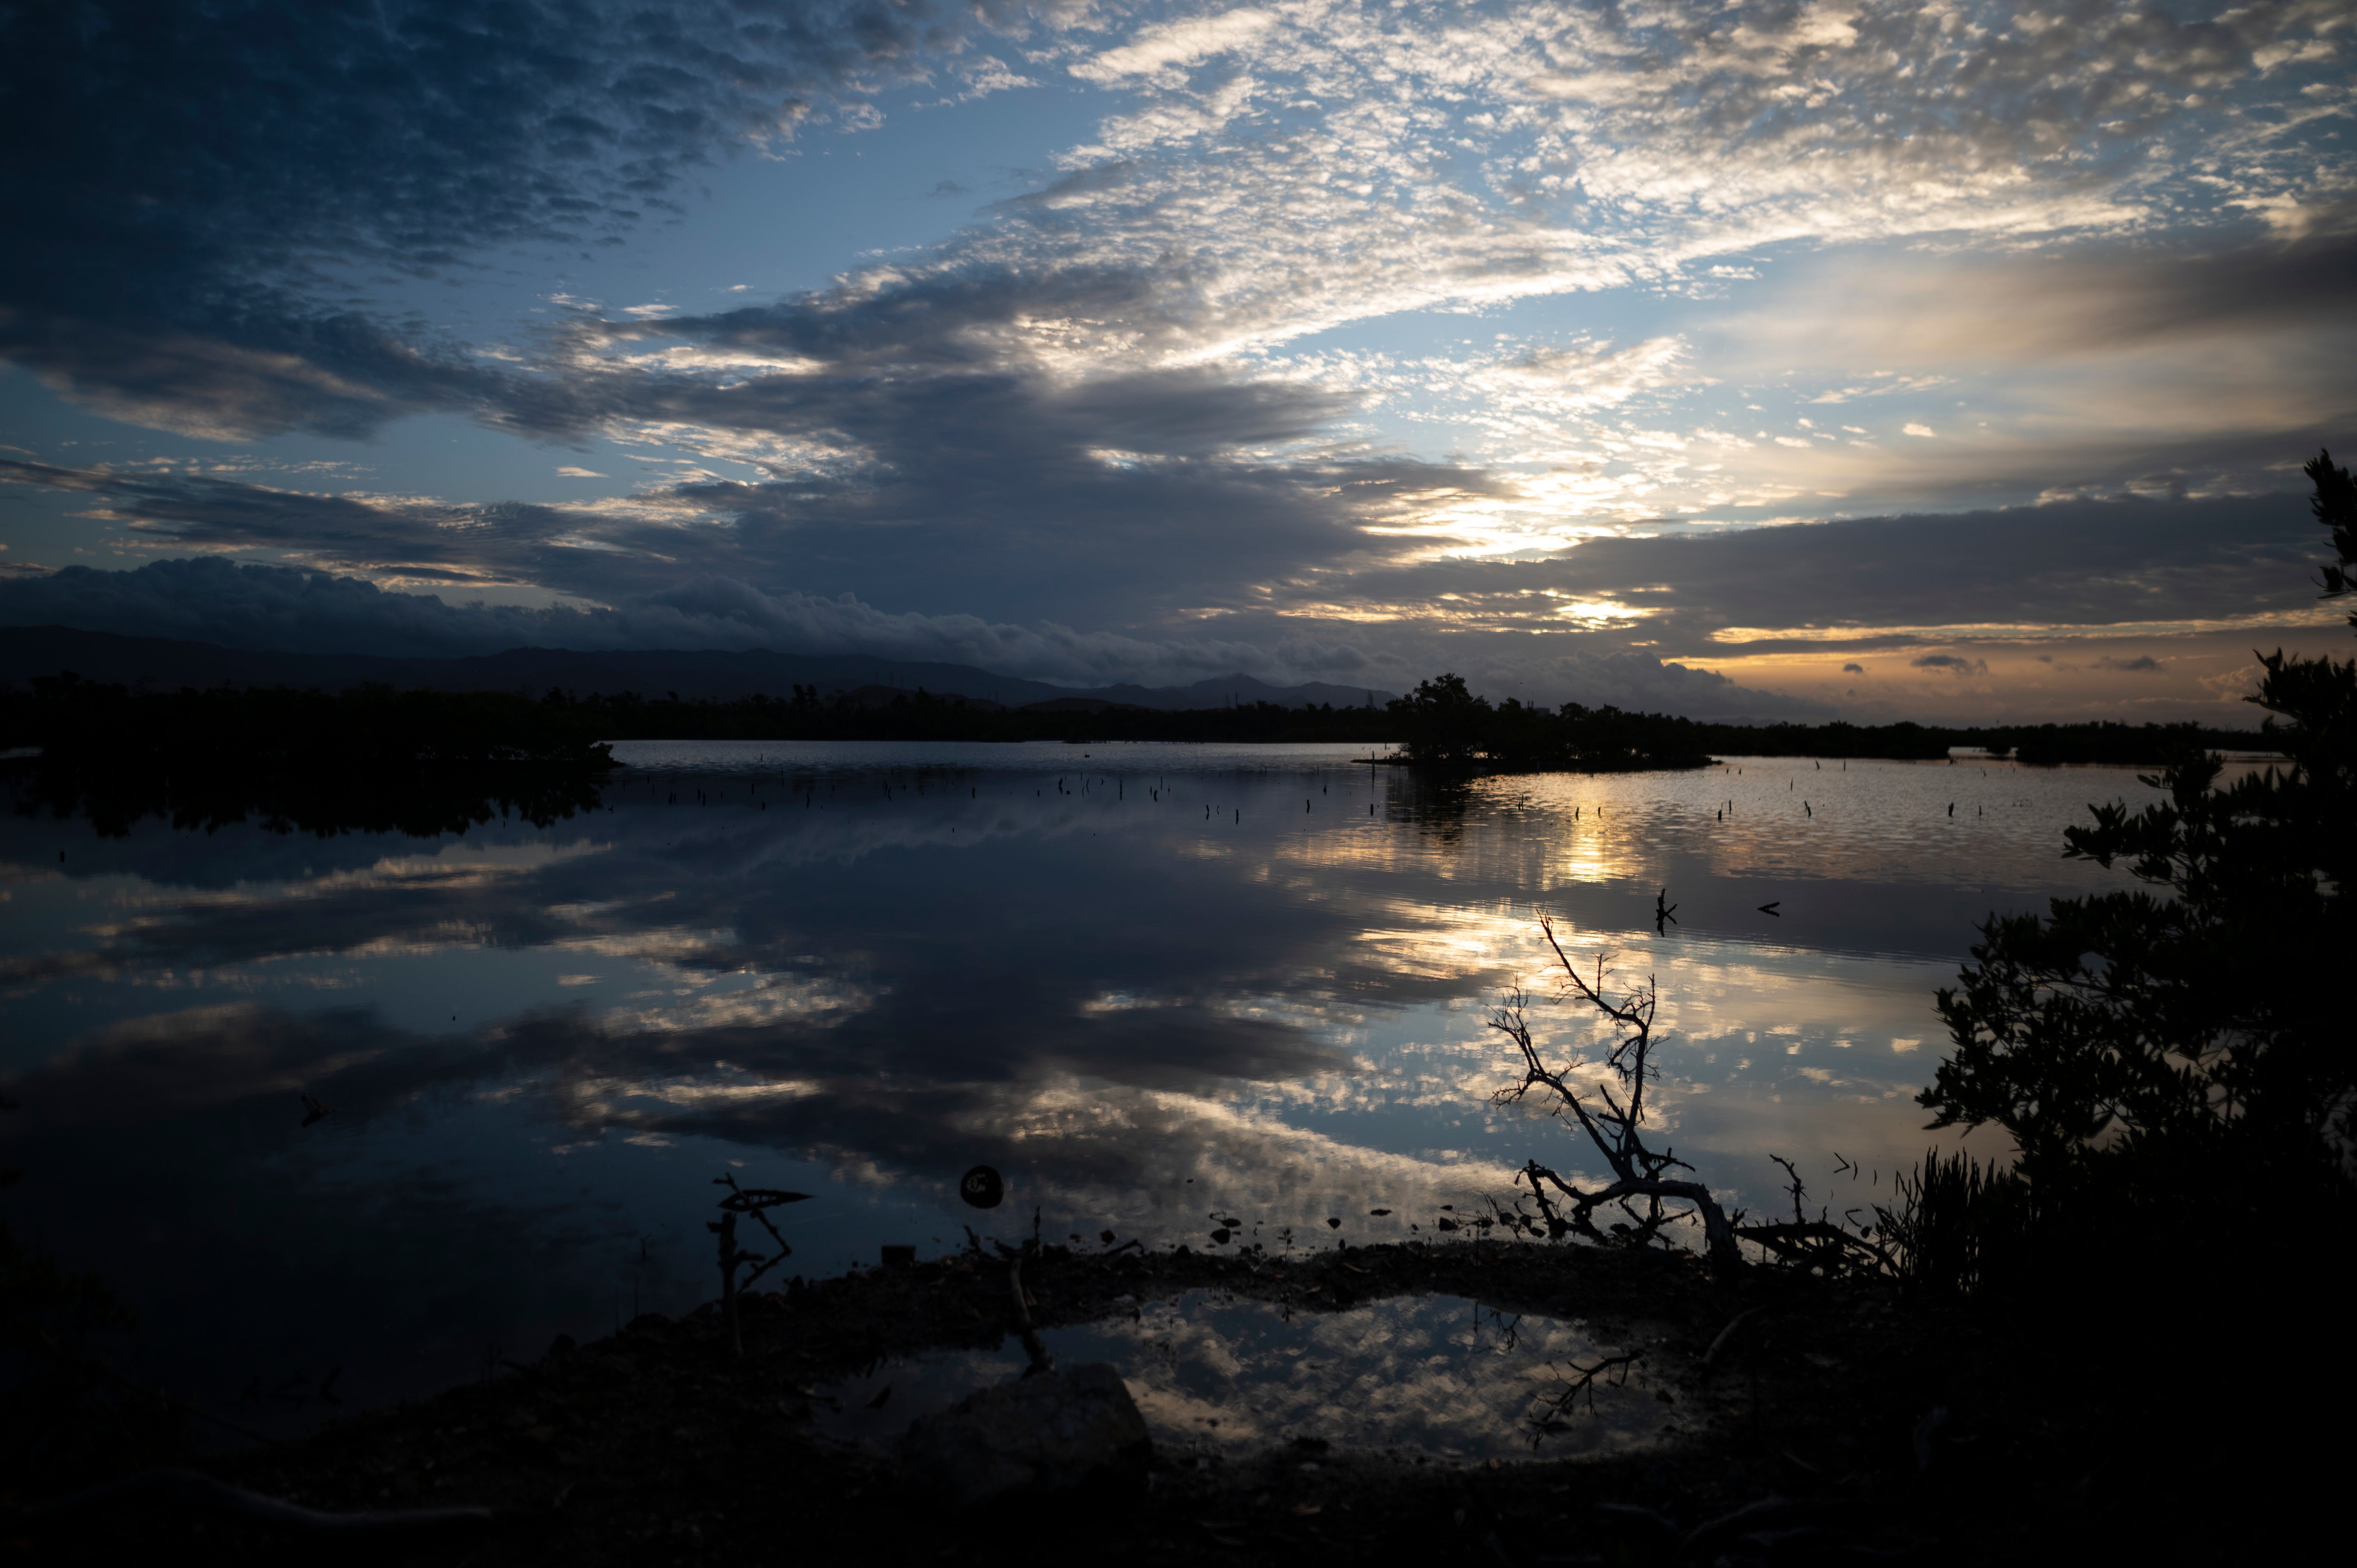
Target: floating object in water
982, 1187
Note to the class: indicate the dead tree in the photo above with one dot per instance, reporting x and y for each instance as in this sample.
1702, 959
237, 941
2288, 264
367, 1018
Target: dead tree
1611, 1122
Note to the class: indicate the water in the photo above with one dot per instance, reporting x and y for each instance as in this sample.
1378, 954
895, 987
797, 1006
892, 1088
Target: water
1156, 985
1219, 1375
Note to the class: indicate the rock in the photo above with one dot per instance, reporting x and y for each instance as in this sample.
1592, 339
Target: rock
1072, 1429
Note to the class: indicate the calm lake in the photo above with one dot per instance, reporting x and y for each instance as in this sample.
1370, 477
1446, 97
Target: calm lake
1157, 986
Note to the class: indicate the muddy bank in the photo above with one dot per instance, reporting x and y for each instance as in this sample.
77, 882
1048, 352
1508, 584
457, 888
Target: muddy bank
660, 1444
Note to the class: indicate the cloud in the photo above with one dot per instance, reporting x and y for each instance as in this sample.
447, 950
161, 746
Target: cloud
1850, 585
286, 610
209, 179
2139, 664
212, 599
1138, 497
1265, 175
1102, 402
1158, 49
1853, 668
1949, 663
711, 564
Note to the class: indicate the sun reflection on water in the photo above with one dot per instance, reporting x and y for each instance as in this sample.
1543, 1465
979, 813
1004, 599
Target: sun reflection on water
1256, 981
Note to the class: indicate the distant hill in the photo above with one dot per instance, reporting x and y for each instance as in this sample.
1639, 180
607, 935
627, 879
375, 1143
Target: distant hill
1238, 690
154, 662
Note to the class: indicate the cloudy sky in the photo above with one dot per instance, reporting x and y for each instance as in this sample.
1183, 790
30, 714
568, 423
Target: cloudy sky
1925, 360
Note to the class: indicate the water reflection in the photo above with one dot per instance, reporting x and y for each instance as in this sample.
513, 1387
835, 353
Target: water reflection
1213, 1374
1145, 982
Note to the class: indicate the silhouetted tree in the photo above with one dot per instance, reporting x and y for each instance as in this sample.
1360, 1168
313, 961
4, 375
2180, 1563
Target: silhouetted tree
2192, 1042
1442, 722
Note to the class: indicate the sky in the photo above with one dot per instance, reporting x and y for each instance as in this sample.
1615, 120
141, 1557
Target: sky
1943, 361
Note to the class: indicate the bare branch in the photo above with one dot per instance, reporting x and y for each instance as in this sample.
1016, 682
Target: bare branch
1614, 1129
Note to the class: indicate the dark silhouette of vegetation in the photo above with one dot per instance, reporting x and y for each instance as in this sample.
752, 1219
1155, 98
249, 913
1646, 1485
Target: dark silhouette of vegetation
2205, 1031
378, 732
277, 729
2168, 1067
2174, 1069
882, 713
1444, 724
371, 760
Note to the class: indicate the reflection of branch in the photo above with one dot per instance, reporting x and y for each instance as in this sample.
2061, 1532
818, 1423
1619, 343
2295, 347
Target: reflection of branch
1558, 1405
755, 1201
1613, 1128
1033, 1346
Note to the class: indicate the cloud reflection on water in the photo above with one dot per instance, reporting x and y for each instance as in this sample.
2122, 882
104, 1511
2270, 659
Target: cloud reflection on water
1139, 1011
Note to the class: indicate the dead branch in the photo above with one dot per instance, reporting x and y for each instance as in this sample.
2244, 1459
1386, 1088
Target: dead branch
1819, 1243
1613, 1128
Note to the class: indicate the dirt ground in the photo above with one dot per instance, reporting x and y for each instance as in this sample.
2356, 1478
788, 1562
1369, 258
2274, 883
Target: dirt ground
1850, 1423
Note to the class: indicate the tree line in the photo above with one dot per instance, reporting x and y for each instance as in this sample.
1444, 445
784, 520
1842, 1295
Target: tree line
375, 730
1444, 723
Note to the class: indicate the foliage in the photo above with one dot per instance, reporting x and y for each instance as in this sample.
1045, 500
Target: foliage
2205, 1032
1440, 722
1443, 725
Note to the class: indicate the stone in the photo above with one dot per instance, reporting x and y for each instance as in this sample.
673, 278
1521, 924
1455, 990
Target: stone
1072, 1429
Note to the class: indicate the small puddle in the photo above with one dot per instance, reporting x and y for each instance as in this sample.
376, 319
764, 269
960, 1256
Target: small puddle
1218, 1373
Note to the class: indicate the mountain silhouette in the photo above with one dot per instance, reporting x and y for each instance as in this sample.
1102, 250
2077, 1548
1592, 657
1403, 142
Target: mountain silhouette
163, 663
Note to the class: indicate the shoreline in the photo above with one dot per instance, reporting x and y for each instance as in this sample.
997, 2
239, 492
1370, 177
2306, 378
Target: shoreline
657, 1444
